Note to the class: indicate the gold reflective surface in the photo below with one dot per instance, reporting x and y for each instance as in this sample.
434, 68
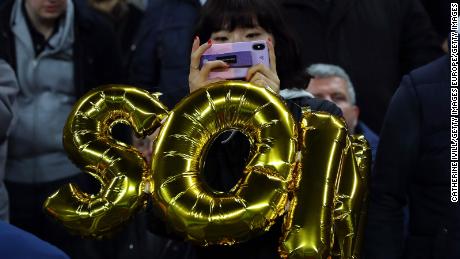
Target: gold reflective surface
351, 198
315, 171
187, 203
120, 169
308, 224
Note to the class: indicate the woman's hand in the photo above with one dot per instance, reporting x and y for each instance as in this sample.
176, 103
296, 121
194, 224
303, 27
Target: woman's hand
263, 76
145, 145
197, 77
259, 74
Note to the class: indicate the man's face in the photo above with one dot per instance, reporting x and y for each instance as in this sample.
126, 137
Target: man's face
47, 9
334, 89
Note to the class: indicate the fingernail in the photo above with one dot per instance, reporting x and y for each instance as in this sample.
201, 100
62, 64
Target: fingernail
209, 42
196, 37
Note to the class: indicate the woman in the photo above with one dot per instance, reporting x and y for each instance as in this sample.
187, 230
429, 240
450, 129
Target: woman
225, 21
246, 20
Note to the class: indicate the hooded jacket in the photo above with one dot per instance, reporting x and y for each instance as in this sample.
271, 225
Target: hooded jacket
8, 91
82, 55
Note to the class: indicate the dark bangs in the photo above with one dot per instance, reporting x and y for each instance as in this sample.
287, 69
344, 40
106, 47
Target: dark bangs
228, 15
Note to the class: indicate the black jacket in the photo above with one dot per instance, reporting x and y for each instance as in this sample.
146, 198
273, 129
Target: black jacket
160, 53
413, 167
375, 41
97, 58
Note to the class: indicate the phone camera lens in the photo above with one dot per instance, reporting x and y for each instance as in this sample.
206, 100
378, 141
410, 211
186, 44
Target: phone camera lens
258, 46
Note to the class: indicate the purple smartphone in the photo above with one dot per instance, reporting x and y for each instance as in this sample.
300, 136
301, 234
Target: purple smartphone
239, 56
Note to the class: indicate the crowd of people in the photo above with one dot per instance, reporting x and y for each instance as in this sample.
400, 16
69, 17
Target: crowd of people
344, 57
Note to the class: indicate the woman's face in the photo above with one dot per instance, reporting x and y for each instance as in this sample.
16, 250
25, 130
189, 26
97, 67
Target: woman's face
241, 34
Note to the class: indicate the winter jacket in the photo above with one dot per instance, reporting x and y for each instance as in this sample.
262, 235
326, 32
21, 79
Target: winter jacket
413, 168
96, 54
83, 54
8, 91
375, 41
160, 57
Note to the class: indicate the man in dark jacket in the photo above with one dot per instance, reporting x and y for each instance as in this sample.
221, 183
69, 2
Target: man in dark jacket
125, 17
332, 83
413, 167
375, 41
160, 57
159, 61
58, 51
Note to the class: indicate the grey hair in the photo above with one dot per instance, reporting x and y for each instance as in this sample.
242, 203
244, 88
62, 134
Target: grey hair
328, 70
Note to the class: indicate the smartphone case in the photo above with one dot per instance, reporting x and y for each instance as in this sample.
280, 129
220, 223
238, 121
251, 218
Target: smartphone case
240, 56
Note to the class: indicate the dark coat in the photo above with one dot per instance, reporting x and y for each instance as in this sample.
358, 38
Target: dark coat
97, 58
413, 168
375, 41
160, 57
126, 19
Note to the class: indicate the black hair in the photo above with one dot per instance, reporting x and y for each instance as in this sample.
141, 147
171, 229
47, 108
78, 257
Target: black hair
228, 15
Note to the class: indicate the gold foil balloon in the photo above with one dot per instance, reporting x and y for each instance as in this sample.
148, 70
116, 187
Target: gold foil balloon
190, 206
325, 173
120, 169
308, 224
363, 156
350, 198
